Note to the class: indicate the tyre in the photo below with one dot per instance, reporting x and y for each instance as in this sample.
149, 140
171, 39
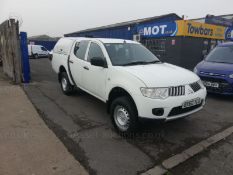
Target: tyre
124, 115
50, 57
66, 87
35, 56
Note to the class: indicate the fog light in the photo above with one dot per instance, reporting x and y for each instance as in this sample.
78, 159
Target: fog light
158, 111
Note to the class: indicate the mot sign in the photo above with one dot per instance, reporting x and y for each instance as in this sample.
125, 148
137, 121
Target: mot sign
158, 29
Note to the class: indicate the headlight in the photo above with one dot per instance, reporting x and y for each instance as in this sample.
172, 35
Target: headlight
231, 76
159, 93
195, 70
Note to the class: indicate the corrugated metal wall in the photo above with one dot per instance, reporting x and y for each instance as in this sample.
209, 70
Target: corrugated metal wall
121, 32
47, 44
124, 32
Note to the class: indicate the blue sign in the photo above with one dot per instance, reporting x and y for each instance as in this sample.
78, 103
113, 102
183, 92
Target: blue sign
229, 33
157, 30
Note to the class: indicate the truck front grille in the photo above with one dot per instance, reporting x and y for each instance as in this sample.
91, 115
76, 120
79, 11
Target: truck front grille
195, 86
177, 91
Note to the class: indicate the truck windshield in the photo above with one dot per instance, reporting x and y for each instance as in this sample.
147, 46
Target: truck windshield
126, 54
221, 55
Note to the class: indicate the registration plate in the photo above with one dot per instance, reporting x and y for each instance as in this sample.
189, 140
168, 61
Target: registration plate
191, 103
210, 84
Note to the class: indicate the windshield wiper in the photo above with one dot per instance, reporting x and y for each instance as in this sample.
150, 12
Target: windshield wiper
156, 61
220, 62
140, 63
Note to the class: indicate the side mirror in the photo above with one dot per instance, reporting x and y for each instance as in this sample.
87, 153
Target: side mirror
98, 61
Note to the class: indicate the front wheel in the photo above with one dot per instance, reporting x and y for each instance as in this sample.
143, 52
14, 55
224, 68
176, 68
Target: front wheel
66, 86
124, 115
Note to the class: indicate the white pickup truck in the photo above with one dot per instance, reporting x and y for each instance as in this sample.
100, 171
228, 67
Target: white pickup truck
128, 78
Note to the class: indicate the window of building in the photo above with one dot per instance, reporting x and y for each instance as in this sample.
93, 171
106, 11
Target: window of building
157, 46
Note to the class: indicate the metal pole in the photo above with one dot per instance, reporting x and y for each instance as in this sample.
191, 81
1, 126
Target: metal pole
25, 57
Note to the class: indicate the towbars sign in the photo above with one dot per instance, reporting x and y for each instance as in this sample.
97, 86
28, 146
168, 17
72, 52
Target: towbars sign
202, 30
158, 29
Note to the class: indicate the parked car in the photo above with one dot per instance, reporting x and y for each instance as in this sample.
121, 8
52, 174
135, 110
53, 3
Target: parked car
37, 51
132, 81
216, 70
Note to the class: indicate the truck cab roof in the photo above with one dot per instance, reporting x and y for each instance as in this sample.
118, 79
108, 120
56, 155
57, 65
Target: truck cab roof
103, 40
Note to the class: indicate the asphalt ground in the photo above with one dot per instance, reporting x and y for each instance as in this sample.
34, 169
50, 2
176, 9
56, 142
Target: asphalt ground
81, 122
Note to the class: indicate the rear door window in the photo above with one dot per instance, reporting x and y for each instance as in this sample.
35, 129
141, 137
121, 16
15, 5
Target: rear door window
80, 49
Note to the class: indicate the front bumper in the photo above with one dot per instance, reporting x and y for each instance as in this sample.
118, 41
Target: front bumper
225, 84
171, 106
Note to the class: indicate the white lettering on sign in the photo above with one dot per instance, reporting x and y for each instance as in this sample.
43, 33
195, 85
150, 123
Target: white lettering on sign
147, 31
154, 30
162, 27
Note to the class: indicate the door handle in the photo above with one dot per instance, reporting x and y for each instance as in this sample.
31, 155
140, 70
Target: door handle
85, 67
70, 61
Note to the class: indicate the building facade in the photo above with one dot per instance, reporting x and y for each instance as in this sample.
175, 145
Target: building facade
172, 39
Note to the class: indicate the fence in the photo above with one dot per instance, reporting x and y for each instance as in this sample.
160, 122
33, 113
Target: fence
10, 50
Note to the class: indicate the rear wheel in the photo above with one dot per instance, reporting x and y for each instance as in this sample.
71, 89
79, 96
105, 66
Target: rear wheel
66, 86
36, 56
124, 115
